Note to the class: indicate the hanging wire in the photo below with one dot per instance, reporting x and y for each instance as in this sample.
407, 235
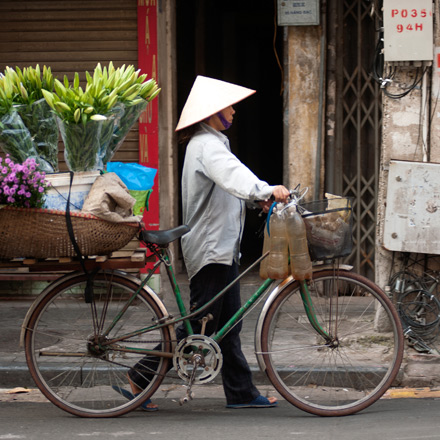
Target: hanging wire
387, 76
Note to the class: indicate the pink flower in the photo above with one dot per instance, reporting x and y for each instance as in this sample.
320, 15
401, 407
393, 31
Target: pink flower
21, 184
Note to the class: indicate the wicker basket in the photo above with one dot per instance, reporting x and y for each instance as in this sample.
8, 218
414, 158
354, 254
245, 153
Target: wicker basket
329, 228
42, 233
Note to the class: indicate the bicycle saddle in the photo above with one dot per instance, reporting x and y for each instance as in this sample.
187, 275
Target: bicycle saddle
165, 236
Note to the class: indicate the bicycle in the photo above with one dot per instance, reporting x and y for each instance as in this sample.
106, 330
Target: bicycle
331, 346
418, 307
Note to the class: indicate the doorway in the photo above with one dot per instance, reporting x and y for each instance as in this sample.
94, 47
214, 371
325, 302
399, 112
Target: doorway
238, 42
353, 158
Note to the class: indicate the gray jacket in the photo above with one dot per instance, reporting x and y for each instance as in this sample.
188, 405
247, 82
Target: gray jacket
215, 187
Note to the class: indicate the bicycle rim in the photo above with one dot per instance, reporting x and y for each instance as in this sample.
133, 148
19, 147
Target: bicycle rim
354, 367
69, 351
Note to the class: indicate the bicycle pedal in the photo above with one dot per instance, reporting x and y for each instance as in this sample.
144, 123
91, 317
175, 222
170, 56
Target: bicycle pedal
186, 399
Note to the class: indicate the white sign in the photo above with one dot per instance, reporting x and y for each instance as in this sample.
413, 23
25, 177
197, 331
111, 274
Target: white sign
408, 30
298, 12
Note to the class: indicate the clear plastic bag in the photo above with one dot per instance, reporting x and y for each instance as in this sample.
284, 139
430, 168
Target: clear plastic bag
42, 125
82, 145
126, 116
15, 138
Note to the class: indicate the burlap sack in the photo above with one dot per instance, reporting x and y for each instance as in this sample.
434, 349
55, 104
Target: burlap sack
110, 200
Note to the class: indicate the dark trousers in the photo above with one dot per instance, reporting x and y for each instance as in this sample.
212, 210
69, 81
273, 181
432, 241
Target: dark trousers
236, 375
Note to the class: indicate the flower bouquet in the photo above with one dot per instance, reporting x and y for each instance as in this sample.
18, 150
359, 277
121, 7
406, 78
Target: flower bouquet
27, 125
94, 122
21, 185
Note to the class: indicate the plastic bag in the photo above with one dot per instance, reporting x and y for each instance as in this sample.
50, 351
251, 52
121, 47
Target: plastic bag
15, 138
82, 144
42, 126
126, 118
139, 181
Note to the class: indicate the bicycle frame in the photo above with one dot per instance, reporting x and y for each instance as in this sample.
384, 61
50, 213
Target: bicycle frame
163, 258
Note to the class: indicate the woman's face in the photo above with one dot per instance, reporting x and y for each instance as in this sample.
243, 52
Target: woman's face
215, 122
228, 113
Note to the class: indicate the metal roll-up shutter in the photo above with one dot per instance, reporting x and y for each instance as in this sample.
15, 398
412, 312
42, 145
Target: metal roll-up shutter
71, 36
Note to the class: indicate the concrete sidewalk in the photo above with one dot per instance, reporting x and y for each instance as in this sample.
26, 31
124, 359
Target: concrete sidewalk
418, 370
13, 368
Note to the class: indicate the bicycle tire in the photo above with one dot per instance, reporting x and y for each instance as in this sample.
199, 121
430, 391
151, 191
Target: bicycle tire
419, 309
66, 348
338, 377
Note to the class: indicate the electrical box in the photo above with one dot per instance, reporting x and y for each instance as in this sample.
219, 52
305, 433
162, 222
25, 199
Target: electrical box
412, 218
298, 13
408, 30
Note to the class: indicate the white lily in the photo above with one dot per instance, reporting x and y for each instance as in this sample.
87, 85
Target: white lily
98, 117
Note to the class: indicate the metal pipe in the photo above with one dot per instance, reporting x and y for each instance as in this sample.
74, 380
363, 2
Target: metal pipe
321, 104
425, 117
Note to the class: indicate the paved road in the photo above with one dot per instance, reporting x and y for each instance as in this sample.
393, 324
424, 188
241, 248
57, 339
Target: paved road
29, 417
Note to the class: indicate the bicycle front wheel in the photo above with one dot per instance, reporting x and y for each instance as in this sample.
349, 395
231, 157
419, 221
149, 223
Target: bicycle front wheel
79, 350
338, 353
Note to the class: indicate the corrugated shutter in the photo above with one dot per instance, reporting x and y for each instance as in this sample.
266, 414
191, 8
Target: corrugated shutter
71, 36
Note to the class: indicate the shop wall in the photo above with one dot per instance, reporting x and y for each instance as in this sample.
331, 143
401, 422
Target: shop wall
71, 36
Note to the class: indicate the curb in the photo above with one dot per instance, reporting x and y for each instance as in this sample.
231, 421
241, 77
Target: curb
18, 375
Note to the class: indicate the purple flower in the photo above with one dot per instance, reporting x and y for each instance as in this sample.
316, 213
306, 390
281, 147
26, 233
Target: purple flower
21, 184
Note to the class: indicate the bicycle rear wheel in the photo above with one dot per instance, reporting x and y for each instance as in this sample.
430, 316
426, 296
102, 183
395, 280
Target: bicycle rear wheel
349, 370
71, 347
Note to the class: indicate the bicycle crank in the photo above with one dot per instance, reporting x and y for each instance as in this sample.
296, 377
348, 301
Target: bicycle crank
197, 359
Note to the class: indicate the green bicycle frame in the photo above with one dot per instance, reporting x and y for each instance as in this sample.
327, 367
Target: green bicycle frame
185, 317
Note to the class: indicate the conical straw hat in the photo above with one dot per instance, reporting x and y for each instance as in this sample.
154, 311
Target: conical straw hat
207, 97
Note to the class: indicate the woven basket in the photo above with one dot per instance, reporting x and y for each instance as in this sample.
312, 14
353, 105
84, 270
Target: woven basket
42, 233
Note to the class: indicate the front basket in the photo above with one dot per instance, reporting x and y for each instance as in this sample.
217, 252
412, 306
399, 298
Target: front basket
329, 226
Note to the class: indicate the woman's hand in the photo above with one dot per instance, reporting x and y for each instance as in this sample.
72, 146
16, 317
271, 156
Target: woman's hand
280, 194
265, 205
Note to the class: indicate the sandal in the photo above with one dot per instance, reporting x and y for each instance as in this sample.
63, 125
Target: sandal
258, 402
130, 396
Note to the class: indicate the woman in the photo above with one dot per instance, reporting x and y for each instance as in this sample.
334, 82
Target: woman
216, 186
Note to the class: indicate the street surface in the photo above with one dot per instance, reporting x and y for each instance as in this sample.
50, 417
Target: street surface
29, 416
